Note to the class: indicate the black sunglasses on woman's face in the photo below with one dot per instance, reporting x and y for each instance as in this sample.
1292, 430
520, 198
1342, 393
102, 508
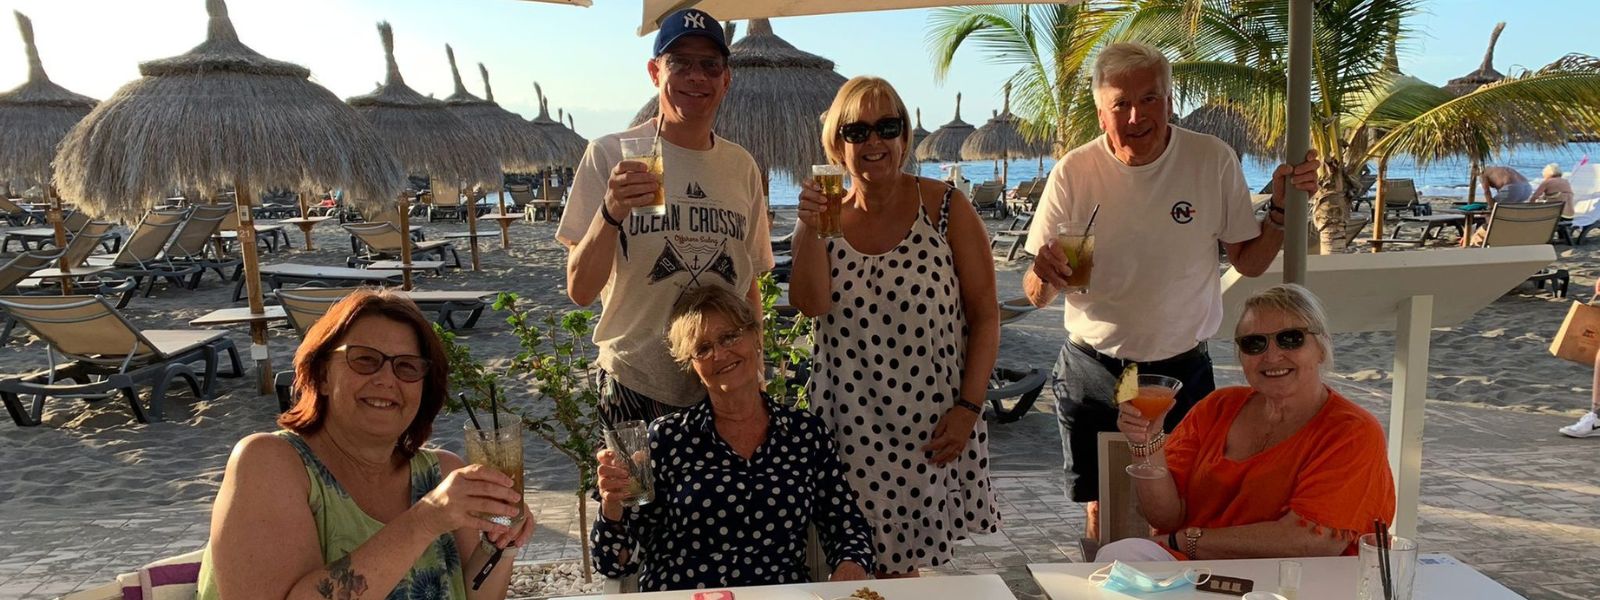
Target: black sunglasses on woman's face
1287, 339
888, 128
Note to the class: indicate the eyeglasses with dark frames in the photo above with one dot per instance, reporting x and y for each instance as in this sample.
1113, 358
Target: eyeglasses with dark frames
1287, 339
367, 360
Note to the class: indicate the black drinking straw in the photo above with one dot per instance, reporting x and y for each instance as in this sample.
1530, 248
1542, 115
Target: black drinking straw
494, 407
1084, 242
494, 559
1380, 534
462, 396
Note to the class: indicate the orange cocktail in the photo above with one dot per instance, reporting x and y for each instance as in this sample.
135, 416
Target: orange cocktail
1154, 400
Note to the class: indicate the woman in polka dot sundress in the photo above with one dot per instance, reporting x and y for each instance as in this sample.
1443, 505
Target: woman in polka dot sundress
907, 331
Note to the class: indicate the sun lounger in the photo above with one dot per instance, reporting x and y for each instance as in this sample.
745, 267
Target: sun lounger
383, 242
987, 198
72, 263
16, 215
1015, 235
1400, 197
107, 355
38, 238
1528, 224
14, 272
444, 202
268, 235
192, 246
144, 256
280, 275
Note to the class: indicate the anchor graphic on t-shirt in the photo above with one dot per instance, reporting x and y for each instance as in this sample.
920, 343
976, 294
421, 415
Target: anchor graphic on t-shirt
671, 262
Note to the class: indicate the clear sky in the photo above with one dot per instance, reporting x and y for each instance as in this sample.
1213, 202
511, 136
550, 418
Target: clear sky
591, 63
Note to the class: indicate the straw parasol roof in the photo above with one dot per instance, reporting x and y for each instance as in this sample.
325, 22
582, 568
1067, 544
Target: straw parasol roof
919, 133
428, 138
944, 144
1000, 139
1226, 123
1485, 73
35, 116
772, 106
215, 116
512, 141
569, 145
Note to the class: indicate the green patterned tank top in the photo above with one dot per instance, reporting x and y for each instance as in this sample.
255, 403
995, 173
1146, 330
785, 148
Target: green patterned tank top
342, 527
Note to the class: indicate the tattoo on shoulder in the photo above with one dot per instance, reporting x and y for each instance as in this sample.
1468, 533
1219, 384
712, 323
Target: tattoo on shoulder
342, 582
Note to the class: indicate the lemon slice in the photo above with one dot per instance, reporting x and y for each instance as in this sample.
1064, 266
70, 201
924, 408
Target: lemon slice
1128, 383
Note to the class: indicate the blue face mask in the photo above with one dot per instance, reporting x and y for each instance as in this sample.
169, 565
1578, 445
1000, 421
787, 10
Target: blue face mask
1120, 577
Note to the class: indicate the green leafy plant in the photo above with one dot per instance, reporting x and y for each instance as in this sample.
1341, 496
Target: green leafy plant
555, 358
785, 341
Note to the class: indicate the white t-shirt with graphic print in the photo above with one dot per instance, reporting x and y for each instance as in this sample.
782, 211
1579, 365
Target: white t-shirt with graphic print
715, 232
1156, 288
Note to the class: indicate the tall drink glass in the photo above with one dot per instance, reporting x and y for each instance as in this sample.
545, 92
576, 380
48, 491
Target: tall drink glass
647, 150
1402, 568
499, 449
1157, 394
1076, 244
831, 179
630, 440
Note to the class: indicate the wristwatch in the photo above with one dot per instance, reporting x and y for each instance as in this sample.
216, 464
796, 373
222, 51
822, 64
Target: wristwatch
1191, 541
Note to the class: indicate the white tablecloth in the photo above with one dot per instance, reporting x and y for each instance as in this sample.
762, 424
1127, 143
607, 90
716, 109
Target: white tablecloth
1439, 577
964, 587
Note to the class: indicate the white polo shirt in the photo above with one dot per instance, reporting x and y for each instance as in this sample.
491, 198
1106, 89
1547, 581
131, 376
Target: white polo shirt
1156, 287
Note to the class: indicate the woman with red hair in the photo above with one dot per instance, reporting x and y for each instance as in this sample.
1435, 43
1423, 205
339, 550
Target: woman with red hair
345, 502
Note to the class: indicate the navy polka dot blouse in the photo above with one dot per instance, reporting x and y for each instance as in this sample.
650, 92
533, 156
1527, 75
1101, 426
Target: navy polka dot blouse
719, 520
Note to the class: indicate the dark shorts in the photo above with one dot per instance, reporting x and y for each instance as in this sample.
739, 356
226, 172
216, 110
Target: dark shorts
1084, 383
620, 404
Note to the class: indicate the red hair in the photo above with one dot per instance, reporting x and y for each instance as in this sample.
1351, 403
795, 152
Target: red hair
311, 363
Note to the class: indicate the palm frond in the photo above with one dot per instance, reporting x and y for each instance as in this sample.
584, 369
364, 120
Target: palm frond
1535, 109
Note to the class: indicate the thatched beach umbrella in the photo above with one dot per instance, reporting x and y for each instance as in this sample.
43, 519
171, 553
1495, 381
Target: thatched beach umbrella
1228, 124
772, 107
512, 141
218, 116
944, 144
1466, 84
425, 136
34, 118
569, 145
918, 133
1000, 139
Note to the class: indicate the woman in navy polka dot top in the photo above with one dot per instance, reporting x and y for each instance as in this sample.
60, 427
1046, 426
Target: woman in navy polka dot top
738, 479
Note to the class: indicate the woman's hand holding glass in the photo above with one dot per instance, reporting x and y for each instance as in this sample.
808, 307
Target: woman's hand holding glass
812, 203
614, 483
1135, 426
465, 496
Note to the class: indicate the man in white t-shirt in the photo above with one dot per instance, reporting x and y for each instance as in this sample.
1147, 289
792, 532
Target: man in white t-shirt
1166, 197
714, 230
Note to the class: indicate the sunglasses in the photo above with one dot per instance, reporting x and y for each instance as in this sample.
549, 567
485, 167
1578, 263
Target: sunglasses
726, 341
1288, 339
409, 368
888, 128
712, 66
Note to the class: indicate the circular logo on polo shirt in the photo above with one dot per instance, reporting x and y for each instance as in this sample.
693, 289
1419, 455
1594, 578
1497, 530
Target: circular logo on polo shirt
1182, 212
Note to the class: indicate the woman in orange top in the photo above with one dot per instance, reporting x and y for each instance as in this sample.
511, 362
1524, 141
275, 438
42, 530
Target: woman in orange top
1285, 467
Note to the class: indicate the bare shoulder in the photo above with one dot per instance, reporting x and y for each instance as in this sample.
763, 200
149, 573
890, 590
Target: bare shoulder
448, 461
932, 192
265, 454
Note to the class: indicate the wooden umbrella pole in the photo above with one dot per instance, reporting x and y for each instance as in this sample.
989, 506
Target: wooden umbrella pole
505, 225
252, 281
305, 224
53, 215
405, 241
472, 225
1377, 205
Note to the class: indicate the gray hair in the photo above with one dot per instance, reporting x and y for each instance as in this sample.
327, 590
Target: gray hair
1299, 304
1552, 170
1127, 57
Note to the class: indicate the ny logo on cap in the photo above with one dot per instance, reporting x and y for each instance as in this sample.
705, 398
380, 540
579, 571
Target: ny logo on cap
695, 20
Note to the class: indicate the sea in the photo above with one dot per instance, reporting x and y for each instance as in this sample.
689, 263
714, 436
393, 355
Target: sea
1445, 178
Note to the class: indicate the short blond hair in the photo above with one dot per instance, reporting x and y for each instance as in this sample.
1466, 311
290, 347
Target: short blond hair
691, 311
846, 108
1300, 304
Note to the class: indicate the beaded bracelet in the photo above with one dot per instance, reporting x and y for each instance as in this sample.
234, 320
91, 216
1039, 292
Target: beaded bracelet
1151, 447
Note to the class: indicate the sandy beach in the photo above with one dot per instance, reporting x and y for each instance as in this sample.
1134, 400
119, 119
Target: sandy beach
95, 455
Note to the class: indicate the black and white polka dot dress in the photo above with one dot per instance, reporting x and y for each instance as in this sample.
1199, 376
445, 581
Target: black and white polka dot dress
886, 367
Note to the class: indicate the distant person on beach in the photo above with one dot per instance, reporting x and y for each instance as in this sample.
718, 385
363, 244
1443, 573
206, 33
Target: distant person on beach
1284, 467
713, 230
1505, 184
344, 502
907, 331
1166, 198
710, 525
1555, 188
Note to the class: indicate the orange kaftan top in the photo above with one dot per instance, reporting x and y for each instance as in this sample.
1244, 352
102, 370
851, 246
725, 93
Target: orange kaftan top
1333, 472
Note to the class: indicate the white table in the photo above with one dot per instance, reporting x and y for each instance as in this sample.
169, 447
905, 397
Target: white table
1439, 577
960, 587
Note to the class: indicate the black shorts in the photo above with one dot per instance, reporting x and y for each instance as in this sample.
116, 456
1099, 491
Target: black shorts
619, 404
1085, 382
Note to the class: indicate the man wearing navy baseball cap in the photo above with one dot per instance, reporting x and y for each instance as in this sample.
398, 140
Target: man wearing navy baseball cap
638, 257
